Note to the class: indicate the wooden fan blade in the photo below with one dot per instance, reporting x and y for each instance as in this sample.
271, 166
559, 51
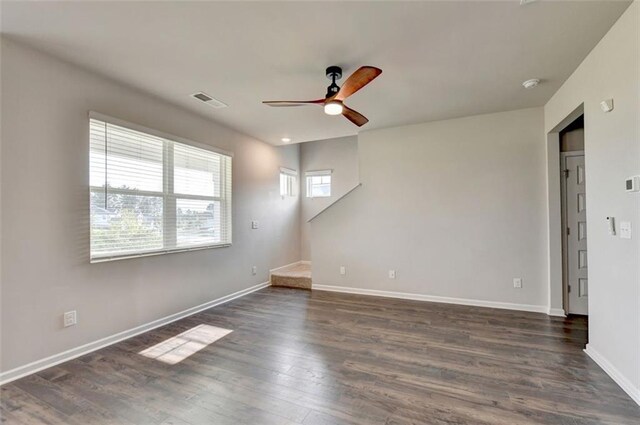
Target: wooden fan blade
363, 76
354, 116
285, 103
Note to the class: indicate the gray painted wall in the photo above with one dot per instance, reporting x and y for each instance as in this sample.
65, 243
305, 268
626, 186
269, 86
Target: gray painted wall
340, 155
612, 153
457, 208
45, 234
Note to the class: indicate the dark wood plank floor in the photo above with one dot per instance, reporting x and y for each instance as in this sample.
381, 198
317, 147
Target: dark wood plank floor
296, 357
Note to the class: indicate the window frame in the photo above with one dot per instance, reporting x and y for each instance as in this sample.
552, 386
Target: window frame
291, 183
168, 195
318, 173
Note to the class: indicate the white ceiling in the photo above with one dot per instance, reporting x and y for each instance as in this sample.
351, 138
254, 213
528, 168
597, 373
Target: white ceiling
439, 59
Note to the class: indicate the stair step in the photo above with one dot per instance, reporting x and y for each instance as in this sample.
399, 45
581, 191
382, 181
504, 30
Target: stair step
294, 276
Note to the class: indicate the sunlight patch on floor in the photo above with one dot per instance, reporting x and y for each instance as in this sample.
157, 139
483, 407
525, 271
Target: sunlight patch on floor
179, 347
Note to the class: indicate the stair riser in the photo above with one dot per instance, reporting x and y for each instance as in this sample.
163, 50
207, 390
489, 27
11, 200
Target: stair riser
291, 282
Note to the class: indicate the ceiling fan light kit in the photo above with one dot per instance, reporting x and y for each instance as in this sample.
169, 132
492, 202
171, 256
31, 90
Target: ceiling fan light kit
333, 101
333, 108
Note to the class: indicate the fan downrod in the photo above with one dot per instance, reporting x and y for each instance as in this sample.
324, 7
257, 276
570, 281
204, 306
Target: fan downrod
333, 73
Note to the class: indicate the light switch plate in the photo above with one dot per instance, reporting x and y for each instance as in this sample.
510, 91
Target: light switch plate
392, 274
343, 270
70, 318
625, 229
254, 224
517, 282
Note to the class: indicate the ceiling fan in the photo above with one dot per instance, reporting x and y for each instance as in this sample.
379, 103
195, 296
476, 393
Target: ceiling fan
333, 101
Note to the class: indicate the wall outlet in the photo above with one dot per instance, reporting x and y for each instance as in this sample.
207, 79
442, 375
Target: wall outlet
625, 229
392, 274
254, 224
254, 270
70, 318
517, 282
343, 270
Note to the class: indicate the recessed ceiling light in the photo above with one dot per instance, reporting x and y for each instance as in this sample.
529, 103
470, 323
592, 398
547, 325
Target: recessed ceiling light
529, 84
285, 140
523, 2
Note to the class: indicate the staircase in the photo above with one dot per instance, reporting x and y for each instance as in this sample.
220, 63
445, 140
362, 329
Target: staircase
296, 275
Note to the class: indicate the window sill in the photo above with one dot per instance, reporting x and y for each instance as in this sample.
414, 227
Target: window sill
154, 253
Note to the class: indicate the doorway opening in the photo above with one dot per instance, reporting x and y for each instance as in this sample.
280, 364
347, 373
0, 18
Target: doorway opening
573, 186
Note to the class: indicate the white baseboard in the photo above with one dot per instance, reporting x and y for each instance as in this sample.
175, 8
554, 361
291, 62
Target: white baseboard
432, 298
614, 373
559, 312
38, 365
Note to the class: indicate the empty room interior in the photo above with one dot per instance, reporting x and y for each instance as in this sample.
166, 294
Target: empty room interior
320, 212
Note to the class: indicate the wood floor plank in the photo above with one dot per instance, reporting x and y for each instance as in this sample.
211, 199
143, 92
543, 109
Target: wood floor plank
318, 358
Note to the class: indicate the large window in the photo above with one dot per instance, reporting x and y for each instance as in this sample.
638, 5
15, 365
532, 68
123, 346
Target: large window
318, 184
151, 194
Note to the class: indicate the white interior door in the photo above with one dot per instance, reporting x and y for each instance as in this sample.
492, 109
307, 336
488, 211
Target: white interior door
576, 220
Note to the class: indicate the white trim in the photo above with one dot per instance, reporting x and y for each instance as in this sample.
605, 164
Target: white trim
305, 262
318, 173
136, 127
559, 312
554, 210
38, 365
107, 258
614, 373
289, 171
433, 298
554, 223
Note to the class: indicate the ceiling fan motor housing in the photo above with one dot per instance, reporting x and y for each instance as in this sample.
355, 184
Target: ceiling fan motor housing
333, 73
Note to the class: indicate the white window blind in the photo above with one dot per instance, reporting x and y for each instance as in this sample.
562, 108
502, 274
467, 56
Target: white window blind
152, 195
318, 183
288, 180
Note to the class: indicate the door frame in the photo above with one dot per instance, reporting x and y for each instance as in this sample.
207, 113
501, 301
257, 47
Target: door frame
564, 221
554, 213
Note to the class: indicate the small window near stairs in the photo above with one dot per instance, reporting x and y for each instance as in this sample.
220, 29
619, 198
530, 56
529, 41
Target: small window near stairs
318, 184
288, 181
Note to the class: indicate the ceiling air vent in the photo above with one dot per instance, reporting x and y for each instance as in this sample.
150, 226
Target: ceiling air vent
214, 103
